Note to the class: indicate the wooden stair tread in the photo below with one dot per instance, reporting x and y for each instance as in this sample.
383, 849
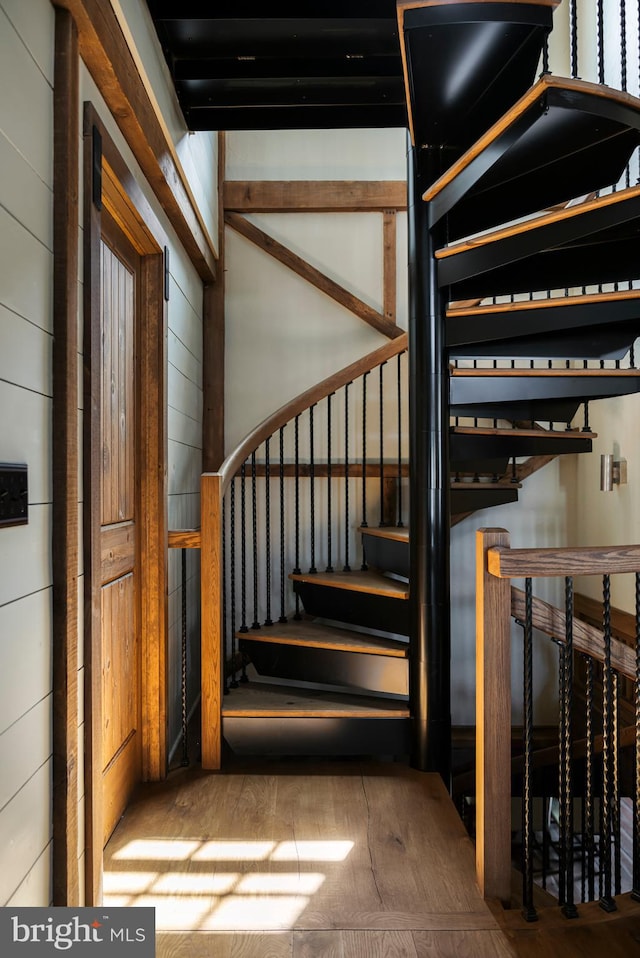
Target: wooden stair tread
528, 305
315, 636
262, 700
500, 484
396, 533
477, 373
531, 97
539, 223
536, 433
369, 582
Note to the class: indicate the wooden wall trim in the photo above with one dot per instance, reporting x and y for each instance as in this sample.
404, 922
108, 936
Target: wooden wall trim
65, 456
315, 196
104, 50
213, 339
389, 264
313, 276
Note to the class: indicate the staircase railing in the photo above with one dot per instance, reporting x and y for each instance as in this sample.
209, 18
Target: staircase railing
252, 536
589, 793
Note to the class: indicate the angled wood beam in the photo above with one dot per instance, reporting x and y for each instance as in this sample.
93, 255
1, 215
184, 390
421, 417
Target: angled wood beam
315, 196
108, 58
312, 275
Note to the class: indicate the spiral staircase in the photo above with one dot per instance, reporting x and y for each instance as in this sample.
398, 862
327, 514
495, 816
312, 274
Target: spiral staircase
522, 202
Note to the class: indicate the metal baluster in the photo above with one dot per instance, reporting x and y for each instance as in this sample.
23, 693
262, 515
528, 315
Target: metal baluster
562, 768
243, 549
400, 523
615, 809
254, 519
573, 15
586, 427
364, 450
589, 797
600, 15
283, 617
381, 410
183, 680
312, 493
329, 478
635, 894
528, 909
545, 56
346, 567
606, 899
569, 910
232, 579
296, 570
623, 44
267, 526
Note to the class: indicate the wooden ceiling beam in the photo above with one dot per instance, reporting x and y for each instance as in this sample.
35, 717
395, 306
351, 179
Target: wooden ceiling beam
315, 196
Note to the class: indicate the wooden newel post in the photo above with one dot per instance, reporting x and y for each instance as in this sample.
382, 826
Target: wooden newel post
493, 722
211, 586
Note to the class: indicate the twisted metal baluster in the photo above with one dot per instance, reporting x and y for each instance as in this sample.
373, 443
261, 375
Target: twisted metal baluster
600, 22
562, 769
184, 644
225, 575
329, 477
615, 810
606, 899
381, 411
364, 450
573, 14
312, 493
635, 894
283, 617
528, 908
232, 577
254, 519
296, 570
267, 526
569, 910
346, 567
243, 549
589, 796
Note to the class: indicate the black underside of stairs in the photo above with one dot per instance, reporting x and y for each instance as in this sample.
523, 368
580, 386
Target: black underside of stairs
468, 451
587, 329
369, 610
386, 554
373, 673
475, 60
567, 143
597, 246
333, 735
481, 495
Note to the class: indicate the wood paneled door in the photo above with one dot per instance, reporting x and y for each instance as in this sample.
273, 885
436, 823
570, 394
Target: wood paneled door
121, 667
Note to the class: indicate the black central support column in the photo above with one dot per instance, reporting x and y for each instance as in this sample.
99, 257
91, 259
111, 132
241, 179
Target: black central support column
429, 484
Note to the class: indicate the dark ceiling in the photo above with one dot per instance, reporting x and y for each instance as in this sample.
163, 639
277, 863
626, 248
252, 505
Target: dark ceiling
313, 64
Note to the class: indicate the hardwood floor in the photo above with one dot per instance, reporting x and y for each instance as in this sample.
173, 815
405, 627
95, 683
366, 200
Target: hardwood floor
303, 860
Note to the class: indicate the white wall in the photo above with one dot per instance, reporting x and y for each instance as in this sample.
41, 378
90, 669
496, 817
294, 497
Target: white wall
26, 261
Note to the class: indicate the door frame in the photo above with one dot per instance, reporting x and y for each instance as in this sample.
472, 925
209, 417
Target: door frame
109, 184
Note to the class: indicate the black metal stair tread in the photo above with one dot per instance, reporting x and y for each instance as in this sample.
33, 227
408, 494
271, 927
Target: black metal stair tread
453, 107
563, 138
397, 533
263, 700
479, 486
589, 243
368, 582
313, 635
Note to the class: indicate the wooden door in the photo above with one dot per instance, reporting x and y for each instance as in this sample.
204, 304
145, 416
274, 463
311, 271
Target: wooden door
119, 589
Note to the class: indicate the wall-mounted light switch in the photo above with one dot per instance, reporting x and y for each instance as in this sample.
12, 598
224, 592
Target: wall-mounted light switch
14, 494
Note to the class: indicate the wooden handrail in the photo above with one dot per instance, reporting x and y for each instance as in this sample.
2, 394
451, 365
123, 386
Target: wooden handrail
583, 560
212, 489
305, 400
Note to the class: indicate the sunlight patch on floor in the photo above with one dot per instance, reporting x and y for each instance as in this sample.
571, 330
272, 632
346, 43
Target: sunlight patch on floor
195, 892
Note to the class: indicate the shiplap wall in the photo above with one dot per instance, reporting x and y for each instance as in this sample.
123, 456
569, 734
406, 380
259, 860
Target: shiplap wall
26, 262
26, 228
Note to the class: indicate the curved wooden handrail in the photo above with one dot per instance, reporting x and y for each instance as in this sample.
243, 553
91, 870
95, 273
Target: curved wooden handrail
304, 401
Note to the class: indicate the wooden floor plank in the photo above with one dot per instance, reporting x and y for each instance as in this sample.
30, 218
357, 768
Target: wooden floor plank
204, 945
344, 944
462, 944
